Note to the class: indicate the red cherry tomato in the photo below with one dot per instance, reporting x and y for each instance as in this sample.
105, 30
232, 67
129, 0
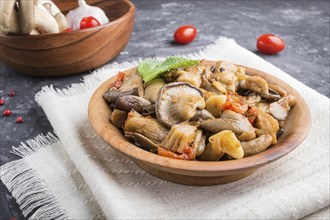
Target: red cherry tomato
270, 44
185, 34
88, 22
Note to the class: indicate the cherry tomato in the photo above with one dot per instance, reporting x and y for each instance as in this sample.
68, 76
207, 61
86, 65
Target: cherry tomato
88, 22
185, 34
270, 44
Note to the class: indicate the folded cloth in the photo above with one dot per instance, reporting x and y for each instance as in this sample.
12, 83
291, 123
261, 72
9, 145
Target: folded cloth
79, 176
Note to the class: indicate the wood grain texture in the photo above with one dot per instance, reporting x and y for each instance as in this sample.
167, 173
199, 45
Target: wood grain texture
74, 52
296, 129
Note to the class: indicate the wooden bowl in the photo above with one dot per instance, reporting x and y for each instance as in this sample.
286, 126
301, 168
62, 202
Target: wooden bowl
62, 54
296, 129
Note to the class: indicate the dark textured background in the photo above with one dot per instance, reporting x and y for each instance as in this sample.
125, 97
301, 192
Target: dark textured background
303, 24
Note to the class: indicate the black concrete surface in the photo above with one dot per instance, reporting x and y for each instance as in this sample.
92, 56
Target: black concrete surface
303, 24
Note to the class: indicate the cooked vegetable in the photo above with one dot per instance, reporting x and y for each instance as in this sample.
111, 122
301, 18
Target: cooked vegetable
143, 141
267, 125
147, 126
188, 153
215, 104
208, 113
132, 102
118, 118
151, 69
178, 102
228, 143
152, 89
212, 152
180, 136
257, 145
113, 94
202, 115
189, 75
199, 143
229, 120
281, 108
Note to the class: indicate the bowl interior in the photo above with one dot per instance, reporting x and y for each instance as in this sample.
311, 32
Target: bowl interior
296, 129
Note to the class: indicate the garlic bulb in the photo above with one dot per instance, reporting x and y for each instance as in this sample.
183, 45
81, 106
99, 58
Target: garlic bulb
75, 16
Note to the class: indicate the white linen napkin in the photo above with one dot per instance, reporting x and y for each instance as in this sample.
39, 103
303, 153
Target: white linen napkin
79, 176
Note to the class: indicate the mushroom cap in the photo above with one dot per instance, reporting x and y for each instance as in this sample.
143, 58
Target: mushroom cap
178, 102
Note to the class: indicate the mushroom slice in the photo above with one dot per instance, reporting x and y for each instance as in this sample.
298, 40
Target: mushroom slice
267, 125
257, 145
281, 108
255, 83
143, 141
226, 80
146, 126
133, 80
225, 66
139, 104
199, 143
118, 118
202, 115
278, 89
178, 102
180, 136
152, 89
113, 93
211, 153
230, 120
190, 75
272, 95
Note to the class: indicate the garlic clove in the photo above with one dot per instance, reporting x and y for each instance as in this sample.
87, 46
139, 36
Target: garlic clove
75, 16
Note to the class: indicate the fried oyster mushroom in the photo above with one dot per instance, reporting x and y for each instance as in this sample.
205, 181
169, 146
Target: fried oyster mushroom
147, 126
180, 136
178, 102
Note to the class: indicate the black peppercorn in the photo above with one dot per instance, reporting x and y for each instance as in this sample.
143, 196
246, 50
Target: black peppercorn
212, 69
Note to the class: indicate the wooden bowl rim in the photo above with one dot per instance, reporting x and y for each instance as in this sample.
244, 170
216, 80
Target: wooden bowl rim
111, 23
229, 166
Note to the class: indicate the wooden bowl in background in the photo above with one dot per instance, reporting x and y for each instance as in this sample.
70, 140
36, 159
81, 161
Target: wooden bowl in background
296, 129
62, 54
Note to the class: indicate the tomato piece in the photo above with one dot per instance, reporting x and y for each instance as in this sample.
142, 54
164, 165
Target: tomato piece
270, 44
188, 153
185, 34
235, 104
252, 114
88, 22
119, 80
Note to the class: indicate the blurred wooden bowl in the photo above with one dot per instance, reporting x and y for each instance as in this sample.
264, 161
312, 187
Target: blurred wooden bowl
50, 55
296, 129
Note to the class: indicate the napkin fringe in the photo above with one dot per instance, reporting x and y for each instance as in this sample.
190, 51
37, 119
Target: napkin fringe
30, 191
33, 145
